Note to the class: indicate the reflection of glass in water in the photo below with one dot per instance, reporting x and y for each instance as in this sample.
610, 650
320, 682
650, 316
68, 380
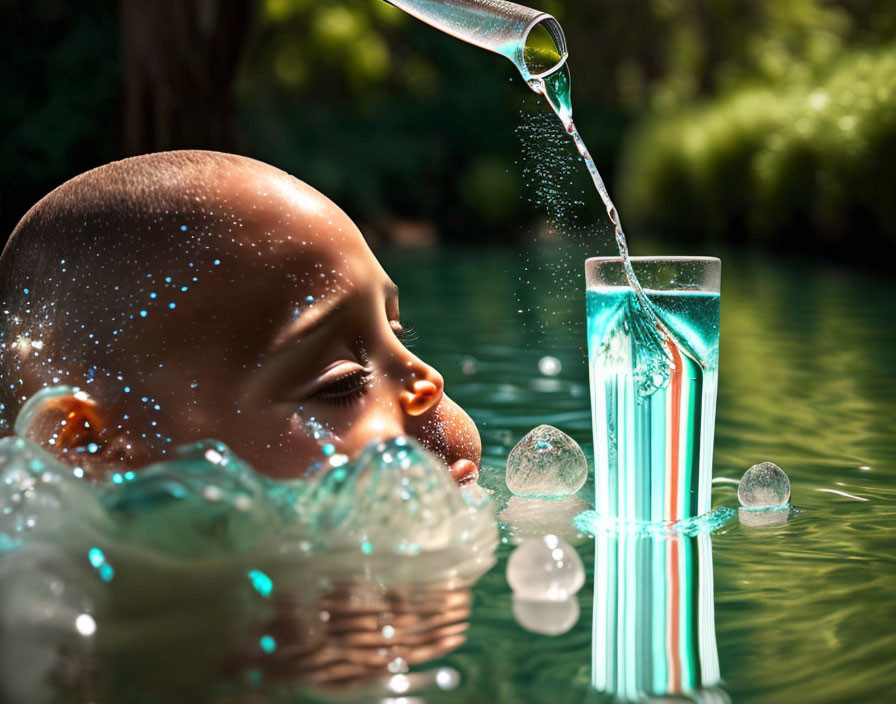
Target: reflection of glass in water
654, 616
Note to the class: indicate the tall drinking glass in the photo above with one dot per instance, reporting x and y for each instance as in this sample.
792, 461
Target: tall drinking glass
653, 391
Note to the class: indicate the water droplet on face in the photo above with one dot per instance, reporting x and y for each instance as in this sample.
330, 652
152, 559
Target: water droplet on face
338, 459
267, 644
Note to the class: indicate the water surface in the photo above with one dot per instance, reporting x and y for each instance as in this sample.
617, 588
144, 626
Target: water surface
805, 611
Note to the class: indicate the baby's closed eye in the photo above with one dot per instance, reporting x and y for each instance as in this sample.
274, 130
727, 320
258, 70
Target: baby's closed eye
343, 385
405, 332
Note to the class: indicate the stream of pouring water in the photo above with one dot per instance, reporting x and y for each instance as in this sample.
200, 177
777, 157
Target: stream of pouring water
555, 87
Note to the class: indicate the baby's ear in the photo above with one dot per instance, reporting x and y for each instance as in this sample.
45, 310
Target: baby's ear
70, 424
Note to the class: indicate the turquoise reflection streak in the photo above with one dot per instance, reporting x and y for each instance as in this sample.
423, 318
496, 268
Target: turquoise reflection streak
654, 616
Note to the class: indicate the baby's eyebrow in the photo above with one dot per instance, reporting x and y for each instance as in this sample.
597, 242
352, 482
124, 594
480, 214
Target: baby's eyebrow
391, 290
307, 322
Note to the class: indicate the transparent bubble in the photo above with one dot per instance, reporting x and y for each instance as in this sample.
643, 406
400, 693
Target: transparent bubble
546, 569
546, 463
36, 491
396, 496
764, 485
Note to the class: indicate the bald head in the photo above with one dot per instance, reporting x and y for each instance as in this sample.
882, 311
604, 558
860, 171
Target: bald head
197, 295
152, 262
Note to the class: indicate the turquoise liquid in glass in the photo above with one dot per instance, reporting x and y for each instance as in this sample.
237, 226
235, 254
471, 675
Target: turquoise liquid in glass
653, 406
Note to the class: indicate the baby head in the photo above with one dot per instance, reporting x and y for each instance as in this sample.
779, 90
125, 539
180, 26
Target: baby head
194, 295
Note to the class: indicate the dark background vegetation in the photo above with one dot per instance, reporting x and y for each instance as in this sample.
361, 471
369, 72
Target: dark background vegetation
732, 121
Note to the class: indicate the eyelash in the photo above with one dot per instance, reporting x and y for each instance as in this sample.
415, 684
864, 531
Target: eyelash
407, 334
345, 390
349, 388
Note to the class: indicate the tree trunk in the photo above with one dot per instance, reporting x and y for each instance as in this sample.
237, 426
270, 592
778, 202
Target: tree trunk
180, 59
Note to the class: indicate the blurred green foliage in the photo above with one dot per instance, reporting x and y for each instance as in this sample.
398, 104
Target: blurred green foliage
396, 121
720, 99
58, 106
779, 129
388, 117
795, 164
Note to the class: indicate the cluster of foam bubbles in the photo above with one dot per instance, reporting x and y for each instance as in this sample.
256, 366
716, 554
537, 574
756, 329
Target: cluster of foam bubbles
194, 560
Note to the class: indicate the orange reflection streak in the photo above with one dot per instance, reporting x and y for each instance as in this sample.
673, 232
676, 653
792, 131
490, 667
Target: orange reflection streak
675, 390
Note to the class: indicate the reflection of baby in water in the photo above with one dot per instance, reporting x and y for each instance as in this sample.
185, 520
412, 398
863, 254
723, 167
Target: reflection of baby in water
196, 295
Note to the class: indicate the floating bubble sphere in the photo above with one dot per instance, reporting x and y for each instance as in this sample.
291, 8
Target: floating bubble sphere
764, 485
545, 569
547, 618
396, 496
549, 366
546, 463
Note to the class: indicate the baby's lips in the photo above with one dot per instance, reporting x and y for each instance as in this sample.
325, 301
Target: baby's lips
464, 471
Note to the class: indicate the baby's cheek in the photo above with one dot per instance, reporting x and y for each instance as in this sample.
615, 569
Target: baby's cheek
280, 446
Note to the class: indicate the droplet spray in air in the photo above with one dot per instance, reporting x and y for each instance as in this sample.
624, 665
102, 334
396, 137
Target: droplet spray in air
535, 42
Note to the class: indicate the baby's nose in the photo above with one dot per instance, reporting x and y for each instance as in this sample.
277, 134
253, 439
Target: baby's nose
423, 395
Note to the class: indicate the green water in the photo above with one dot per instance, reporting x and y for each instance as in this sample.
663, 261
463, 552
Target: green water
800, 611
653, 428
804, 611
